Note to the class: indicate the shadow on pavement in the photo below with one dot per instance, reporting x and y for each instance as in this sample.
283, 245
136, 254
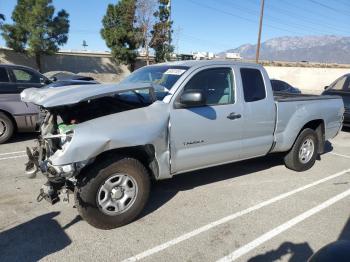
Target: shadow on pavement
328, 147
163, 191
20, 137
35, 239
296, 253
345, 233
346, 129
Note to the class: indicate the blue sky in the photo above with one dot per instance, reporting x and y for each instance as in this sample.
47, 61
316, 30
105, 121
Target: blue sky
213, 25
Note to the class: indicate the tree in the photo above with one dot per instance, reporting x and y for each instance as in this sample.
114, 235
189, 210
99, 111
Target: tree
161, 33
145, 19
2, 18
120, 33
35, 29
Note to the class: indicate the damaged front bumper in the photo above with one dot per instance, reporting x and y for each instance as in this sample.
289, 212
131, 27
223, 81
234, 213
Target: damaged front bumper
35, 165
60, 179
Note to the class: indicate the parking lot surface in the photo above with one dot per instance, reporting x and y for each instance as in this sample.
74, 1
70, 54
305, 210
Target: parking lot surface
256, 210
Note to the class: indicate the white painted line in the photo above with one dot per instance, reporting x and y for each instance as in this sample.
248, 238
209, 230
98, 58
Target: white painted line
337, 154
12, 157
228, 218
12, 153
280, 229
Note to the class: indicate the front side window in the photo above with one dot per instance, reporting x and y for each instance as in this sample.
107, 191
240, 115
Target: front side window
24, 76
4, 78
216, 84
253, 85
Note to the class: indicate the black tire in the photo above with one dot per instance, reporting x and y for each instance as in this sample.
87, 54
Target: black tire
88, 187
6, 128
292, 160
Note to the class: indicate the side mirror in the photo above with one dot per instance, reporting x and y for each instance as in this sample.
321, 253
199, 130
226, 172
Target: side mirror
326, 87
192, 98
44, 81
53, 78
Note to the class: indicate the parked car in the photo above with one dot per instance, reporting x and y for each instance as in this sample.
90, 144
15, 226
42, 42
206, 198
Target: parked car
281, 86
71, 82
70, 76
341, 87
105, 142
15, 115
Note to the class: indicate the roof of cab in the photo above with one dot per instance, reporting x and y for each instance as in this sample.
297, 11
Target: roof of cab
199, 63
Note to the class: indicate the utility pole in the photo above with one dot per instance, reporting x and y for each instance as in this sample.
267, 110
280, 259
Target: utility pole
169, 21
260, 29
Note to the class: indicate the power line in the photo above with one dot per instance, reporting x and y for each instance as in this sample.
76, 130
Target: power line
298, 26
329, 7
305, 28
240, 17
298, 16
309, 11
305, 19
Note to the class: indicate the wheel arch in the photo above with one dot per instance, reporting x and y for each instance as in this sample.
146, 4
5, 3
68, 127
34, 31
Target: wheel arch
10, 116
318, 125
143, 153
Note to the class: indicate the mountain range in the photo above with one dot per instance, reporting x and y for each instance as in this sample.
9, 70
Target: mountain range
324, 49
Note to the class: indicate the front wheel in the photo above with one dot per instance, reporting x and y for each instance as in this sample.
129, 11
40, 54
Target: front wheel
303, 154
112, 193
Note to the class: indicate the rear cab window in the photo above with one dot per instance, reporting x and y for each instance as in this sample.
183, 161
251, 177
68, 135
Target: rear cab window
253, 85
4, 77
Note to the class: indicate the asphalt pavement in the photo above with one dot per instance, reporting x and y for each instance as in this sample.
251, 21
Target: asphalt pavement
255, 210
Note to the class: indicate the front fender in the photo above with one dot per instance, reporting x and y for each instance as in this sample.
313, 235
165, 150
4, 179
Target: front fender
137, 127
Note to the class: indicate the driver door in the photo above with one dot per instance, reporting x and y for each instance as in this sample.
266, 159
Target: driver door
207, 135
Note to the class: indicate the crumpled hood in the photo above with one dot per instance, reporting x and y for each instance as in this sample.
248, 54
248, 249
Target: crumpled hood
136, 127
68, 95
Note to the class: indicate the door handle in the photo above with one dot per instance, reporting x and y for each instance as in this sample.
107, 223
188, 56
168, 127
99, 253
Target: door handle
233, 116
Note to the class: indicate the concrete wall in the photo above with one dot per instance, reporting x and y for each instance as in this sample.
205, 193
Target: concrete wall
102, 67
98, 65
307, 79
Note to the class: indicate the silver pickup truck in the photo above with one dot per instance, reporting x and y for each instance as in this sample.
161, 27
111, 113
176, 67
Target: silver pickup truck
105, 142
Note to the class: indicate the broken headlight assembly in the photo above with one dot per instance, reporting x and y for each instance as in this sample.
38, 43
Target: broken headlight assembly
61, 140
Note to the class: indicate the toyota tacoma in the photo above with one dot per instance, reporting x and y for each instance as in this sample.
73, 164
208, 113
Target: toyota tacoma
106, 142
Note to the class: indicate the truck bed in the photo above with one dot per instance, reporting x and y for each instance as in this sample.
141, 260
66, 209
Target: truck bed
294, 110
285, 97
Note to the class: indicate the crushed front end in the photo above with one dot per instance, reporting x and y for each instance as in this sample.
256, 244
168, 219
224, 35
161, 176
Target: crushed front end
79, 124
56, 132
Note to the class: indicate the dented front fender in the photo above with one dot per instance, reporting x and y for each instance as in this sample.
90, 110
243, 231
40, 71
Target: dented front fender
147, 125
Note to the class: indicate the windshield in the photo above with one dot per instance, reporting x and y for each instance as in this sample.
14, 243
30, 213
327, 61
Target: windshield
163, 77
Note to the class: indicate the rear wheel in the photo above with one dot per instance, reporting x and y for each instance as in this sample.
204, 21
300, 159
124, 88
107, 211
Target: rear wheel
303, 154
112, 193
6, 128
